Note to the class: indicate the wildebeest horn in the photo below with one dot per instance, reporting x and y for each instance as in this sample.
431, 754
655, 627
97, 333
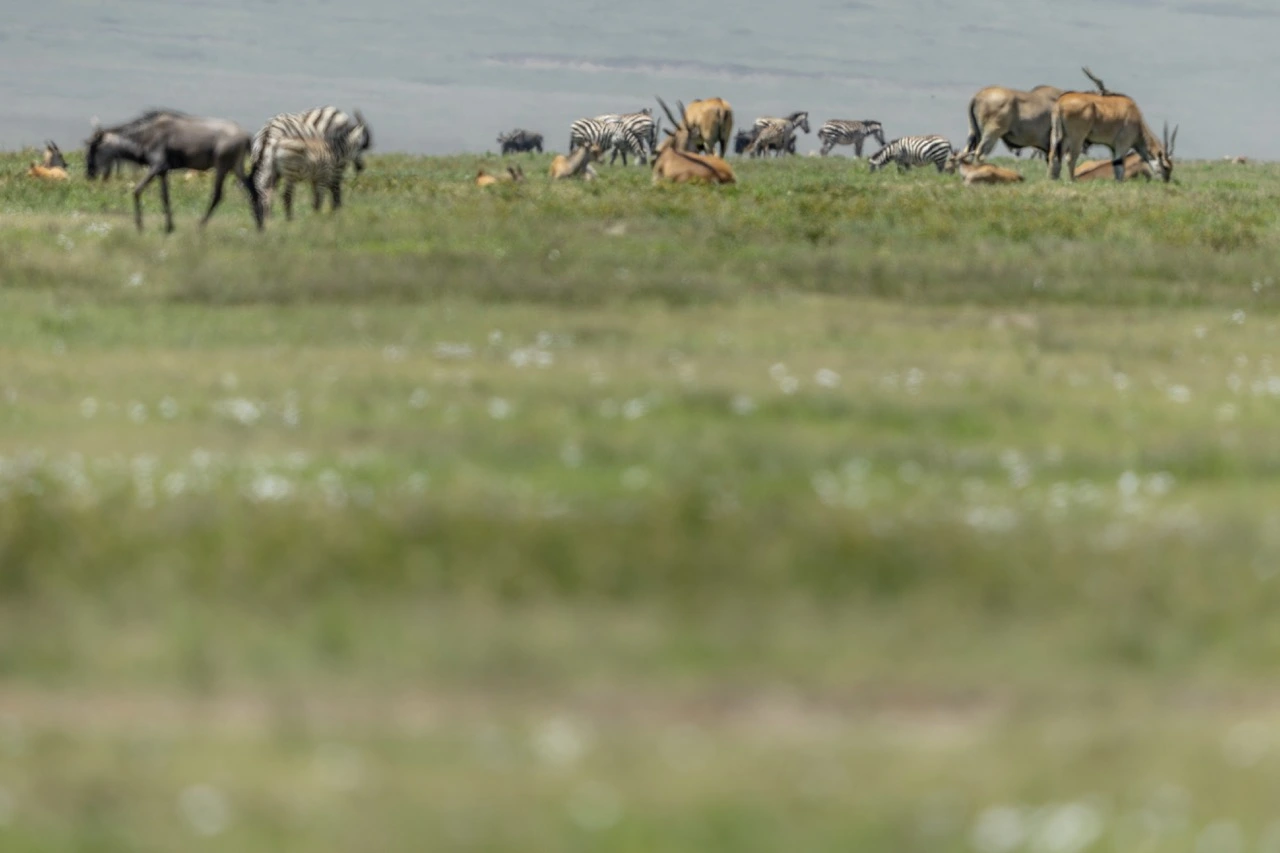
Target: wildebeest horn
667, 110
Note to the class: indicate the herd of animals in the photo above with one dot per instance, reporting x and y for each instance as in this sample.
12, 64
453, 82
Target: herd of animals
316, 146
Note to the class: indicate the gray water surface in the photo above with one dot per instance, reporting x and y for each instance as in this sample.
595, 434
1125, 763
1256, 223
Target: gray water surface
439, 78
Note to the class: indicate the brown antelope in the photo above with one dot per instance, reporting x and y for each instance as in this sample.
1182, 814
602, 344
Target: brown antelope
674, 162
1094, 170
974, 172
577, 164
710, 122
1017, 118
1081, 119
47, 173
514, 175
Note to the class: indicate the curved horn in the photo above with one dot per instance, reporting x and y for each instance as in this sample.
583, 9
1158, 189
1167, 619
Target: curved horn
1102, 87
1172, 140
667, 110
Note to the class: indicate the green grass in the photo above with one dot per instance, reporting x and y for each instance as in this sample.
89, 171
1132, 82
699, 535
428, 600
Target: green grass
825, 511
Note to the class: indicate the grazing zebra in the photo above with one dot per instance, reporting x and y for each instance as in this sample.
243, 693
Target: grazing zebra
608, 135
913, 151
321, 121
635, 126
848, 132
314, 159
777, 134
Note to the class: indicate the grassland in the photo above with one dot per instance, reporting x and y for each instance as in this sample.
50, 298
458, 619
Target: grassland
829, 511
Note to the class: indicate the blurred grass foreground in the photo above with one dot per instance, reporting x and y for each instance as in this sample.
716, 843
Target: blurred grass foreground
829, 511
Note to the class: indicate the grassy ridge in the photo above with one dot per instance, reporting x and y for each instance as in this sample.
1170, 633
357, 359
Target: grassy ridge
822, 476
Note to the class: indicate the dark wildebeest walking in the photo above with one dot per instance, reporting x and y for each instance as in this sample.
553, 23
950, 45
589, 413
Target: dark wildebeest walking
520, 140
163, 140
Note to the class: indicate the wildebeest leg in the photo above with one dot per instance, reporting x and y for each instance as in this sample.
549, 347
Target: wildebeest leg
152, 173
219, 177
255, 199
164, 197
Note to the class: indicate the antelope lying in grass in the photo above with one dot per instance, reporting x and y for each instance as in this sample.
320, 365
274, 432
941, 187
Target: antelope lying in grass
514, 175
677, 164
577, 164
1134, 166
52, 166
974, 172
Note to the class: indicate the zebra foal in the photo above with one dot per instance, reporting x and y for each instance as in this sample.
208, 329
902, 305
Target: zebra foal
323, 122
308, 158
913, 151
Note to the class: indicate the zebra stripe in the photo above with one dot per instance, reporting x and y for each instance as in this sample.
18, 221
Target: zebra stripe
321, 121
634, 126
777, 134
913, 151
848, 132
607, 134
310, 159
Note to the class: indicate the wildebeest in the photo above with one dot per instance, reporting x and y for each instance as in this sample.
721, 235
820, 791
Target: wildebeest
675, 162
974, 172
777, 134
1134, 167
514, 175
710, 123
1081, 119
577, 164
520, 140
163, 141
108, 156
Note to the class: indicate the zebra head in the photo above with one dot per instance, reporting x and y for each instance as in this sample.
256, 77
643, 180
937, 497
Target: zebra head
877, 160
359, 139
800, 119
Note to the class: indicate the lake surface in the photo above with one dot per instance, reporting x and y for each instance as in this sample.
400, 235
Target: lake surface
448, 79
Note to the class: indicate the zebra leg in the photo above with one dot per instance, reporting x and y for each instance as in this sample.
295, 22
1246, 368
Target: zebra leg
317, 196
288, 200
335, 190
857, 148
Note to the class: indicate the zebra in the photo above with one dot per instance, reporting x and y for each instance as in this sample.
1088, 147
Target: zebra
777, 134
608, 135
320, 121
305, 154
637, 126
913, 151
848, 132
314, 159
